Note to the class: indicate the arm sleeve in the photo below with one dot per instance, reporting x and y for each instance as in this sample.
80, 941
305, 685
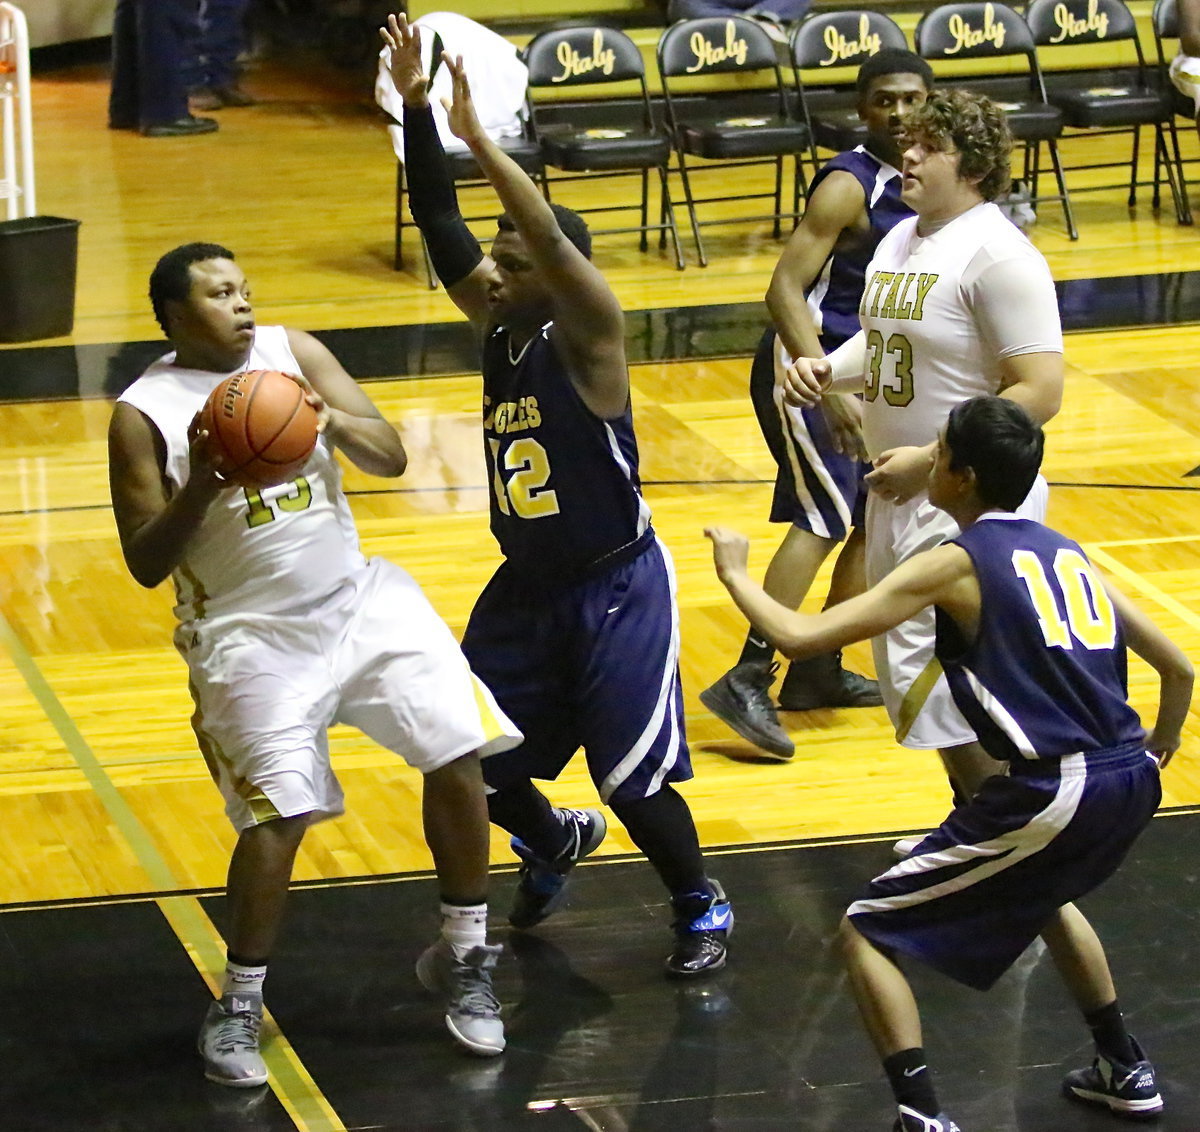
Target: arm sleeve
849, 365
434, 201
1015, 304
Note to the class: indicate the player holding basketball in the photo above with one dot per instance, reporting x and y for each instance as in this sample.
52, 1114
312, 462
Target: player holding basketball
285, 628
957, 303
577, 632
819, 490
1034, 648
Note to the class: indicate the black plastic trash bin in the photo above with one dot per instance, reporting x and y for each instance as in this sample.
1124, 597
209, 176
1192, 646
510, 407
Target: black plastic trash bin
38, 257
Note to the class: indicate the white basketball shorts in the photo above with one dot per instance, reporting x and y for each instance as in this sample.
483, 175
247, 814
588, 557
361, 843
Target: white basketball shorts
374, 655
914, 688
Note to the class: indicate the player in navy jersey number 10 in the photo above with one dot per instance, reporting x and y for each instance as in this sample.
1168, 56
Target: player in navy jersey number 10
577, 633
1033, 645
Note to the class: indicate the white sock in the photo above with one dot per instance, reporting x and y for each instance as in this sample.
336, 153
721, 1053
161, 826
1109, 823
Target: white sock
464, 926
241, 980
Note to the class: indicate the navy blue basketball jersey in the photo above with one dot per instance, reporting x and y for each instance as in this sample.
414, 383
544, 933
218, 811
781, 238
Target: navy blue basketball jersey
564, 483
835, 294
1045, 675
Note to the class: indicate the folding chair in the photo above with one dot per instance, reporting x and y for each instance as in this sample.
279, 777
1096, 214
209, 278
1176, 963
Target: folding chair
1164, 20
993, 30
838, 39
592, 55
1122, 102
728, 128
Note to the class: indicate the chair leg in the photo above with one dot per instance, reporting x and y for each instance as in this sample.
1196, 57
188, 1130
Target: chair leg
398, 253
776, 227
644, 242
1183, 209
1068, 214
1133, 170
691, 207
669, 216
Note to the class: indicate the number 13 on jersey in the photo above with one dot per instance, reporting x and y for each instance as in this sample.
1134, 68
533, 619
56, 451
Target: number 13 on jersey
524, 492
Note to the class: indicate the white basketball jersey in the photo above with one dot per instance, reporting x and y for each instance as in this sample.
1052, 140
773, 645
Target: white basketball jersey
268, 551
925, 351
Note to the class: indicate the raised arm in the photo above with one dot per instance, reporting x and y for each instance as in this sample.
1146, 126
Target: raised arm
943, 576
457, 257
347, 416
154, 525
589, 326
1174, 673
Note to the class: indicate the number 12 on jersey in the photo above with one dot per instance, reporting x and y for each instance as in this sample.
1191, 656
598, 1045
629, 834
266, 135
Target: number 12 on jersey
524, 493
1090, 618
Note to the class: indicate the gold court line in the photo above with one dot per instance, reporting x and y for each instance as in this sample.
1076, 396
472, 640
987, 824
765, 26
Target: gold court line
291, 1082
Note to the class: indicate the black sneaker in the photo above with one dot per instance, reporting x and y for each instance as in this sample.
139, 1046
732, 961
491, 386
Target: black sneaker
1127, 1090
542, 887
822, 682
703, 921
910, 1120
741, 699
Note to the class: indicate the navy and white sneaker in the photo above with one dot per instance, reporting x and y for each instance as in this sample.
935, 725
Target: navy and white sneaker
1127, 1090
703, 922
909, 1120
542, 887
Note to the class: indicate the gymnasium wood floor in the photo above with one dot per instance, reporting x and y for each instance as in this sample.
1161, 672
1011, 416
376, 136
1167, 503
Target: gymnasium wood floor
112, 843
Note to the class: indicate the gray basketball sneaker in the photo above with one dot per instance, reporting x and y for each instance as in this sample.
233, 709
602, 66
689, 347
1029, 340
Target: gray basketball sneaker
228, 1041
742, 700
472, 1010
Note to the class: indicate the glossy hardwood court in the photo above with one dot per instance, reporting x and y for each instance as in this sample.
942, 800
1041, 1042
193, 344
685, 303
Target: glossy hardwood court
102, 794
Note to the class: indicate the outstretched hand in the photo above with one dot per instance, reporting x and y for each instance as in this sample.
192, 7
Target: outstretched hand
460, 111
404, 65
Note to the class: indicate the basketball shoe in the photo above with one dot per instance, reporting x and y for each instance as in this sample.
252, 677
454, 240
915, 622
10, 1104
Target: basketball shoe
1127, 1090
822, 682
910, 1120
703, 922
228, 1041
741, 699
542, 887
472, 1010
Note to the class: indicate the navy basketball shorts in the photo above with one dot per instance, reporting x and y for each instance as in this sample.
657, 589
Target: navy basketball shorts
816, 487
976, 892
596, 666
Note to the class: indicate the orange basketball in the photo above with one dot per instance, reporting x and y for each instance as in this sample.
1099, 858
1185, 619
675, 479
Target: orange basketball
262, 429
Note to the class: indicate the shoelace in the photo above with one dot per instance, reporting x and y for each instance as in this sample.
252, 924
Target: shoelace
237, 1031
473, 992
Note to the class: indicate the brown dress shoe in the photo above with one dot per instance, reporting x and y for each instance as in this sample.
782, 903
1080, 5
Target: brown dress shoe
180, 128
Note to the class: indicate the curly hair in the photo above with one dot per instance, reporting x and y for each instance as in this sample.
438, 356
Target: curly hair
974, 126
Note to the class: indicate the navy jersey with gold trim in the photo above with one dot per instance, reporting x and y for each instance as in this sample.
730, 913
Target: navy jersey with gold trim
1046, 673
564, 483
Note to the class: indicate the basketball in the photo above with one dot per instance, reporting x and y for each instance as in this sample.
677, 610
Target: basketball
262, 429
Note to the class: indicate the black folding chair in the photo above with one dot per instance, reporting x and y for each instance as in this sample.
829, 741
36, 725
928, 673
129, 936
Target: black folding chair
606, 146
1126, 97
729, 129
993, 30
1165, 23
826, 40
